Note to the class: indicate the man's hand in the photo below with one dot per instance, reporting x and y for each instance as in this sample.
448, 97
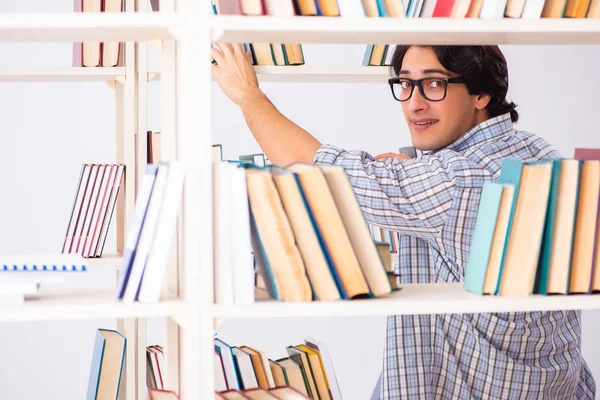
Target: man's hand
234, 72
392, 155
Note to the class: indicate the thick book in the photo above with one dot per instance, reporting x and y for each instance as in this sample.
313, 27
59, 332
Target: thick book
107, 365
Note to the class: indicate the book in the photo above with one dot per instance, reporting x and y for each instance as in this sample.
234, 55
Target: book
107, 365
525, 237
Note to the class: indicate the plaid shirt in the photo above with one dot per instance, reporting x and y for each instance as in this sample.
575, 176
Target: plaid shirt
432, 201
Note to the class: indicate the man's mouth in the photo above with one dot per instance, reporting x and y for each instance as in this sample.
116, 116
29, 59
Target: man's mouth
423, 123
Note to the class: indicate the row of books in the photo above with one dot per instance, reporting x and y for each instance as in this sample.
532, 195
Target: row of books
93, 207
307, 368
97, 54
151, 234
308, 235
538, 229
155, 367
486, 9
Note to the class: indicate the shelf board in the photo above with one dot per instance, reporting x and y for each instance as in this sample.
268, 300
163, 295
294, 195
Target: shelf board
84, 305
404, 31
82, 27
442, 298
60, 74
312, 74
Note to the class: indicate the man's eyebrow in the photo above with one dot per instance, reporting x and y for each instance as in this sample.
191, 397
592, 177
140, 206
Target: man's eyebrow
436, 71
426, 71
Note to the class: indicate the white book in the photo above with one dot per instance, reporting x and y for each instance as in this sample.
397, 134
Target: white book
240, 246
351, 8
19, 288
245, 368
224, 239
228, 364
334, 387
492, 9
280, 8
533, 9
165, 233
146, 237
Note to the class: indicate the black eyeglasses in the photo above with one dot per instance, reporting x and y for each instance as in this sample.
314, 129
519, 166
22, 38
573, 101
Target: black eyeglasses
432, 89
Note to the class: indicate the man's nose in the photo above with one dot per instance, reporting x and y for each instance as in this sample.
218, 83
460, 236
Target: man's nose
417, 102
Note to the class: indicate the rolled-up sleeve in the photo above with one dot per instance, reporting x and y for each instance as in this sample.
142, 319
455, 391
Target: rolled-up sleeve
408, 196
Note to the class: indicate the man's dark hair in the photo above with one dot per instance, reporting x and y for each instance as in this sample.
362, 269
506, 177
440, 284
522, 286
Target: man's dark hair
483, 68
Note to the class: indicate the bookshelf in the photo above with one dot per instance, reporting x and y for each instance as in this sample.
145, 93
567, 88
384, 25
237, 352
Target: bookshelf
409, 30
416, 298
183, 37
413, 299
62, 74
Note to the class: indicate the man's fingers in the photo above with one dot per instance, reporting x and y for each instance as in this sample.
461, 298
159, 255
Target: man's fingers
237, 49
217, 56
226, 48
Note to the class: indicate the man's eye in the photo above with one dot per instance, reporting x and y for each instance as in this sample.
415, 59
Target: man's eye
436, 83
405, 85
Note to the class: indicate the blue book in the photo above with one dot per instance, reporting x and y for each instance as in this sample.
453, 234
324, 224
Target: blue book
381, 8
107, 365
483, 234
135, 230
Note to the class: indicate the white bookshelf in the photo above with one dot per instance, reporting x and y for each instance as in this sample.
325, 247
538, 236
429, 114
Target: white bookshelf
184, 73
61, 74
58, 305
416, 298
409, 30
413, 299
81, 27
310, 74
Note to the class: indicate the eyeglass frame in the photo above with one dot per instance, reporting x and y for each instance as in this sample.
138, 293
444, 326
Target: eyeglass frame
417, 82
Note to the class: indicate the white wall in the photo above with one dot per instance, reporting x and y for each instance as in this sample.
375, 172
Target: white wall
557, 96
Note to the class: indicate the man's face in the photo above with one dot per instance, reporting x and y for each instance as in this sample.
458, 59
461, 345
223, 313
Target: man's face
435, 124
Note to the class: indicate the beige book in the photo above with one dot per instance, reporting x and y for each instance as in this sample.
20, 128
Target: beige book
576, 8
301, 358
259, 368
594, 10
554, 8
585, 229
277, 237
395, 8
328, 218
562, 237
318, 372
370, 7
294, 375
259, 394
110, 50
288, 393
316, 264
358, 230
263, 54
278, 373
525, 238
492, 273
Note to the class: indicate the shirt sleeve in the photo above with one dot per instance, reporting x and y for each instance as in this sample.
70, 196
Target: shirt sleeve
408, 196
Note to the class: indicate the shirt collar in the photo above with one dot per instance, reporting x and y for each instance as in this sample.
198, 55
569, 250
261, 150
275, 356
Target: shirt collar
486, 131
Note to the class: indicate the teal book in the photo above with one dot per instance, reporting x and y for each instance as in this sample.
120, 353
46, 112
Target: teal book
367, 56
107, 365
541, 283
483, 234
381, 8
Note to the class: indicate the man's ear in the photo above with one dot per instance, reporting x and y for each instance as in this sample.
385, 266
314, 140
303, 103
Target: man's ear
482, 100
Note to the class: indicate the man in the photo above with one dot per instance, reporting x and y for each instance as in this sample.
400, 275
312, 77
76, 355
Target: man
454, 101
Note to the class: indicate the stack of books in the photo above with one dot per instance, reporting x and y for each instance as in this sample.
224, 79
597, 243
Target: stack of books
537, 229
93, 207
485, 9
307, 371
98, 54
307, 233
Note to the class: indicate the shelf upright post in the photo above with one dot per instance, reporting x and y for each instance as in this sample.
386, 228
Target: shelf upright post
125, 143
194, 148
